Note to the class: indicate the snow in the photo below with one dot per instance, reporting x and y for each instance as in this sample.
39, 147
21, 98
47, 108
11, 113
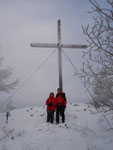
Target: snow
85, 129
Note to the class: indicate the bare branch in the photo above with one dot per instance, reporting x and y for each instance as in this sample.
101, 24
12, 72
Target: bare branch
97, 71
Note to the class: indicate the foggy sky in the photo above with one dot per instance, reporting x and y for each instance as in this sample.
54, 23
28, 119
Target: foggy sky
29, 21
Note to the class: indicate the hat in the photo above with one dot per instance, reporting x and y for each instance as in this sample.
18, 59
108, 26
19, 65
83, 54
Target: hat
59, 89
50, 94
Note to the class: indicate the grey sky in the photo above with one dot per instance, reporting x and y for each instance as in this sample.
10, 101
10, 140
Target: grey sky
30, 21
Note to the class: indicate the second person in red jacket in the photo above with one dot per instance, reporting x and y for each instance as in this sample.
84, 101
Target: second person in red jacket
51, 106
60, 105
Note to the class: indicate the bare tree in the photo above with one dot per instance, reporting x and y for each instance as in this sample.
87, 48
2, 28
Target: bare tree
5, 85
97, 72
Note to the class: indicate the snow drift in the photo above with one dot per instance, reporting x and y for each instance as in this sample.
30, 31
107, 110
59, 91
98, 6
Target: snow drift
85, 129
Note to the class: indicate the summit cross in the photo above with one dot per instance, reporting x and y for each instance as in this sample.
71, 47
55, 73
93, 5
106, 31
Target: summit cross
59, 45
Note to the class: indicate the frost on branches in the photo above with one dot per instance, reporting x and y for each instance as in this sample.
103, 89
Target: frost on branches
5, 85
97, 71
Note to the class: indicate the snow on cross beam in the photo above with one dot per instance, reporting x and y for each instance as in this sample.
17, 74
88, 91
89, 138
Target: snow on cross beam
44, 45
59, 45
73, 46
53, 45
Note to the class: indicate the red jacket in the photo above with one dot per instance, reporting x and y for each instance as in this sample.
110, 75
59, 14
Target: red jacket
52, 102
61, 99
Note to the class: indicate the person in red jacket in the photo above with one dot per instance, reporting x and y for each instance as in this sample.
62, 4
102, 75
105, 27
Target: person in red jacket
51, 106
60, 105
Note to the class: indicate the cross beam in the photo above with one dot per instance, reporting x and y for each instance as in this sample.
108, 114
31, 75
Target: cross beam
59, 45
53, 45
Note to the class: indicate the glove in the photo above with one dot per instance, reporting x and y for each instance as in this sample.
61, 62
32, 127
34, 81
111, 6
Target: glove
50, 104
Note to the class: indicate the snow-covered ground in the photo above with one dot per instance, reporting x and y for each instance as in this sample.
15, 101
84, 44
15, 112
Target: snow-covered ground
85, 129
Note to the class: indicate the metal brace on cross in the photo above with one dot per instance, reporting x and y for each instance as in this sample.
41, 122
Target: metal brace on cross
59, 45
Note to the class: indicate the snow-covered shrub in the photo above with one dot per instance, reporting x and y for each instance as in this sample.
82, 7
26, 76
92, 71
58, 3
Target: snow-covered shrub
97, 71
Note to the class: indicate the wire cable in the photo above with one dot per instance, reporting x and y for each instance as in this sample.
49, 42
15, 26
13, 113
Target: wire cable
76, 70
77, 73
28, 78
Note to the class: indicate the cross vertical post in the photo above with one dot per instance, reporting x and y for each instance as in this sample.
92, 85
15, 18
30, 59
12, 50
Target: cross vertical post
60, 55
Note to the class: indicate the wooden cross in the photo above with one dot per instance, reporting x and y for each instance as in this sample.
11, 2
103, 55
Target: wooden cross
58, 45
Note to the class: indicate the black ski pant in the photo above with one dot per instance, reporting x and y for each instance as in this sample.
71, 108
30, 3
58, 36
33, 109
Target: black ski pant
60, 111
50, 116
